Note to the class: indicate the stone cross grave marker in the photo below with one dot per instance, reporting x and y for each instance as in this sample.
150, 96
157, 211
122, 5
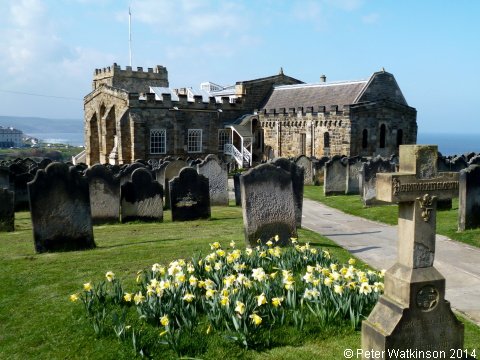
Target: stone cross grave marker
413, 313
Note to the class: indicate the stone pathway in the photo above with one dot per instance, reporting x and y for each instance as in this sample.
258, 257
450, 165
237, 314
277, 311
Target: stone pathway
376, 244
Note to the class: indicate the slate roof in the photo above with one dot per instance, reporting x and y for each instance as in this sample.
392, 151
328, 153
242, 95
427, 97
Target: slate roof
321, 94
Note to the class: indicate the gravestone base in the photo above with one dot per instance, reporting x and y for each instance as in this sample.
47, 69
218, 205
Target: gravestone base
413, 317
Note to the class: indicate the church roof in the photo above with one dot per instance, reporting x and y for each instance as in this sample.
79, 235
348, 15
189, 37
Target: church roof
319, 94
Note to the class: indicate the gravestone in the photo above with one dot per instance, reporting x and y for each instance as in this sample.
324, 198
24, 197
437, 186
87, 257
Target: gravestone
4, 177
160, 173
318, 170
7, 210
268, 205
217, 179
413, 313
335, 176
469, 198
307, 165
368, 175
60, 209
354, 167
236, 189
297, 175
104, 194
127, 171
189, 196
142, 198
19, 177
171, 170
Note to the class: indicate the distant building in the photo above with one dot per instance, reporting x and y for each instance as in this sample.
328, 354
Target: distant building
10, 137
136, 115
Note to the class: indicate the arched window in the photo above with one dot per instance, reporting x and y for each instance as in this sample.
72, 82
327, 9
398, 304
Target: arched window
382, 136
326, 140
399, 137
364, 139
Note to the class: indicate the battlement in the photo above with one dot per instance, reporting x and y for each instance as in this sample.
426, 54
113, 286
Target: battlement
131, 80
300, 111
149, 100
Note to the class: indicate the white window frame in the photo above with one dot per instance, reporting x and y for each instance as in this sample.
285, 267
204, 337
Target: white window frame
194, 140
156, 137
224, 137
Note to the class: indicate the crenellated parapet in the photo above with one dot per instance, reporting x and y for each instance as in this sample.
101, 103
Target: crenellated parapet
315, 111
150, 101
138, 80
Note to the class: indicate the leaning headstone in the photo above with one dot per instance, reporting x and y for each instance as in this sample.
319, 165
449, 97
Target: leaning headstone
141, 198
60, 210
297, 175
307, 165
354, 167
236, 189
369, 172
104, 194
189, 196
335, 176
413, 314
171, 171
7, 210
217, 180
268, 205
469, 198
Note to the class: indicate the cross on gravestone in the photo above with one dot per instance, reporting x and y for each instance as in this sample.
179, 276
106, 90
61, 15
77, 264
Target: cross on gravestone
413, 313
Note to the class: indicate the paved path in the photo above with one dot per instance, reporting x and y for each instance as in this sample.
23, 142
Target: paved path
376, 244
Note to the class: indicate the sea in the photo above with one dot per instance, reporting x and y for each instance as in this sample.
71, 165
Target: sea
448, 144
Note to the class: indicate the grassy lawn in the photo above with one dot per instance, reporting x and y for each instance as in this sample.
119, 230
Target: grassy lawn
38, 322
352, 204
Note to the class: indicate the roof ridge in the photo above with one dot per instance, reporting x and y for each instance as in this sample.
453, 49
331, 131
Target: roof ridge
330, 83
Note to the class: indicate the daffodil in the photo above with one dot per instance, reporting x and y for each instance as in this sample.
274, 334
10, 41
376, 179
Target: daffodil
258, 274
127, 297
277, 301
338, 289
328, 281
224, 300
365, 288
73, 297
257, 320
352, 261
261, 299
164, 320
87, 286
240, 307
232, 244
249, 251
110, 276
210, 293
188, 297
269, 243
215, 245
138, 298
192, 280
276, 238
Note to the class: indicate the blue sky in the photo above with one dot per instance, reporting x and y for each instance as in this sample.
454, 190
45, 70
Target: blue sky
51, 47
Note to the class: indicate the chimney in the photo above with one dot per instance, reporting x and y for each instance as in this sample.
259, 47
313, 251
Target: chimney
323, 78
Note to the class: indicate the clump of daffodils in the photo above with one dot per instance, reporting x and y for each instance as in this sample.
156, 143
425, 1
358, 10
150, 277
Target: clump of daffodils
244, 291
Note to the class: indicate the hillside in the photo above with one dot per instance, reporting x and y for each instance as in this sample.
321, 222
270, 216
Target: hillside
37, 125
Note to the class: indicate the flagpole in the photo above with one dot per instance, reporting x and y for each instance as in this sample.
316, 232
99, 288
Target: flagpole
130, 35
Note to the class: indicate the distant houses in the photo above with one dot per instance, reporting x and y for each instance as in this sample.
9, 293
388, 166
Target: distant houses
10, 137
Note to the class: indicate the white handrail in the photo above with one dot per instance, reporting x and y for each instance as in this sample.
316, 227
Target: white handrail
230, 149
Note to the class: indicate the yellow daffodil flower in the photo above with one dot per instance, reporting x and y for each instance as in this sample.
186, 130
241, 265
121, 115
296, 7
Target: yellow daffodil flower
110, 276
87, 286
73, 297
127, 297
164, 320
277, 301
257, 320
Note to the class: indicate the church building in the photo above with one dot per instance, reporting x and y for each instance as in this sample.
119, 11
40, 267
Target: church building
134, 114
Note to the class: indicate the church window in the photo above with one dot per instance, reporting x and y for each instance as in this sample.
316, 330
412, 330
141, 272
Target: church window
364, 139
399, 137
326, 140
303, 144
223, 139
382, 136
194, 140
158, 141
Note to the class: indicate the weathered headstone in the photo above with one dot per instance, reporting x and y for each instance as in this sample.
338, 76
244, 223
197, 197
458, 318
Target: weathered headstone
189, 196
469, 198
318, 170
413, 314
369, 172
4, 177
236, 189
141, 198
268, 205
297, 175
217, 179
60, 210
104, 194
7, 210
354, 167
307, 165
334, 182
19, 177
171, 170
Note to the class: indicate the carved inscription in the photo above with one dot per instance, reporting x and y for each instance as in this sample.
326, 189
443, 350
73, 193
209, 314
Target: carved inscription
423, 186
